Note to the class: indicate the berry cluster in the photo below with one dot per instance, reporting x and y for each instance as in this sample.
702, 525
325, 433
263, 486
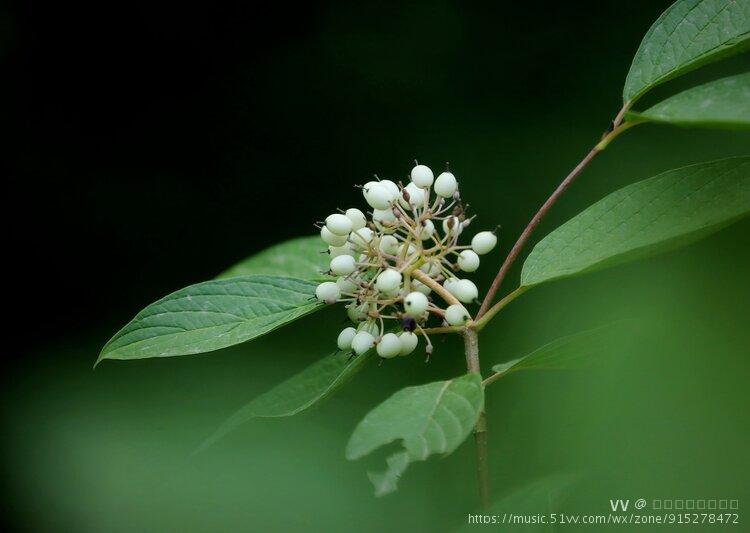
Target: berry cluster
388, 267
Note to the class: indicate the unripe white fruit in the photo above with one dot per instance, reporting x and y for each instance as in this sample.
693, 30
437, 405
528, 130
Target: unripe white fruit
408, 341
432, 269
384, 219
344, 342
483, 242
370, 326
339, 224
465, 291
415, 304
428, 228
409, 251
342, 265
357, 217
450, 285
336, 251
388, 281
416, 197
389, 346
356, 313
362, 342
422, 176
468, 261
389, 245
361, 237
377, 195
346, 285
452, 226
421, 287
392, 188
456, 315
328, 292
446, 185
332, 238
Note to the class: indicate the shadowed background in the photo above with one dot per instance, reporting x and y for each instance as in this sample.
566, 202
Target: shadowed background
152, 146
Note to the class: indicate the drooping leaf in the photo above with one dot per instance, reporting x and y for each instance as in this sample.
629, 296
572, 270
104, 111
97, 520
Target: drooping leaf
298, 393
658, 214
212, 315
297, 258
689, 34
428, 419
571, 351
723, 103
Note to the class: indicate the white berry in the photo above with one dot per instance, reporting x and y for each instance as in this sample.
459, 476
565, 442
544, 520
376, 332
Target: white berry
344, 342
370, 326
483, 242
346, 285
357, 217
328, 292
361, 237
468, 261
446, 185
452, 226
384, 219
377, 195
392, 188
336, 251
362, 342
421, 287
389, 346
465, 291
389, 245
422, 176
456, 315
339, 224
388, 281
409, 342
415, 304
450, 285
356, 313
343, 265
416, 197
332, 238
428, 228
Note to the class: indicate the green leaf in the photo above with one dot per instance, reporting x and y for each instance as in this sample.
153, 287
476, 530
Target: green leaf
298, 393
572, 351
723, 103
689, 34
658, 214
297, 258
212, 315
428, 419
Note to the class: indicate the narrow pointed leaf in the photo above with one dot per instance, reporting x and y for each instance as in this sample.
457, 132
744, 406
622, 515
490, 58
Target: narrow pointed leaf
296, 258
655, 215
212, 315
299, 393
689, 34
571, 351
427, 419
723, 103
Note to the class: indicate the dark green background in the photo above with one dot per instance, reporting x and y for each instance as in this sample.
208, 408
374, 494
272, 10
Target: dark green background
153, 145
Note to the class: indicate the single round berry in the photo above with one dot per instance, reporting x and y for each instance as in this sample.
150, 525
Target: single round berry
343, 265
388, 245
392, 188
361, 238
388, 281
332, 238
336, 251
428, 228
370, 326
421, 287
450, 285
344, 342
377, 196
356, 313
446, 185
415, 197
384, 220
328, 292
415, 304
465, 291
468, 261
339, 224
357, 217
362, 342
457, 315
431, 268
406, 250
483, 242
409, 342
422, 176
452, 226
346, 284
389, 346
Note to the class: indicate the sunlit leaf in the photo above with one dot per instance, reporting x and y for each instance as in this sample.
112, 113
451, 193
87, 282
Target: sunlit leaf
690, 33
427, 419
297, 258
658, 214
723, 103
212, 315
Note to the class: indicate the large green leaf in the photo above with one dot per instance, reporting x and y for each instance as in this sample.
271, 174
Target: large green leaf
690, 33
298, 393
572, 351
212, 315
723, 103
645, 218
297, 258
428, 419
